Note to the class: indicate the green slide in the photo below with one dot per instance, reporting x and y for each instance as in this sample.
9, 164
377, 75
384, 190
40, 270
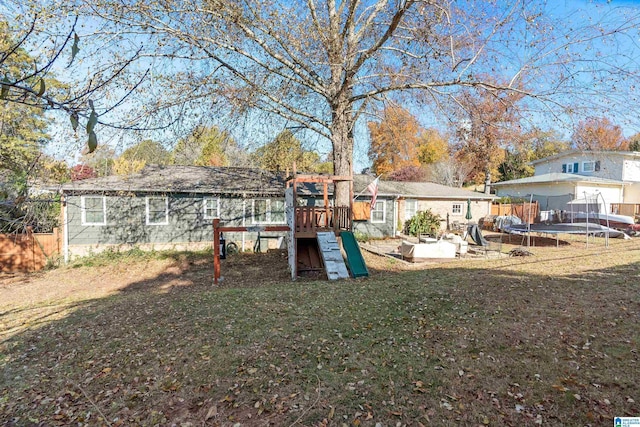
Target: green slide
354, 256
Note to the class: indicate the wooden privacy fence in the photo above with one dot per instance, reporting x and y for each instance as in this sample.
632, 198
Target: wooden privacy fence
629, 209
28, 251
527, 212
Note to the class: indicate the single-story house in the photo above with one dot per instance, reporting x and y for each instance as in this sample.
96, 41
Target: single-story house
399, 201
166, 207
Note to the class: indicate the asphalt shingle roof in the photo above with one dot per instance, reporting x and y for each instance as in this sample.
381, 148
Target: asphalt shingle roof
417, 189
633, 154
239, 181
404, 189
187, 179
557, 177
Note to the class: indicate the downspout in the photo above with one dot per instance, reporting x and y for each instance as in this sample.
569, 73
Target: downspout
244, 216
397, 215
65, 229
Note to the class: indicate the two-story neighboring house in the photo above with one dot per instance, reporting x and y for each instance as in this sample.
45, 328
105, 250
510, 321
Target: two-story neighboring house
566, 180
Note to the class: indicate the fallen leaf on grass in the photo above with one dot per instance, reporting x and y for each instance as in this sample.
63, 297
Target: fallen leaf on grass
212, 412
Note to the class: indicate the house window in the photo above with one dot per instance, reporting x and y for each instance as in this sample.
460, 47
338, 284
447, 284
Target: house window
410, 208
592, 166
94, 210
211, 207
378, 213
588, 166
267, 211
570, 167
456, 209
157, 210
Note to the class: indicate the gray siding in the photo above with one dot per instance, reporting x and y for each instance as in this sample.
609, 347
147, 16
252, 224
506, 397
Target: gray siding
126, 221
378, 229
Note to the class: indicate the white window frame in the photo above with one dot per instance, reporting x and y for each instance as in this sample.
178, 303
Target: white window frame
406, 211
593, 166
377, 209
205, 203
268, 219
569, 167
166, 210
83, 209
456, 207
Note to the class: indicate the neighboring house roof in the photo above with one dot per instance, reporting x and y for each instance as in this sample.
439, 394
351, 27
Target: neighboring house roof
633, 154
417, 190
186, 179
549, 178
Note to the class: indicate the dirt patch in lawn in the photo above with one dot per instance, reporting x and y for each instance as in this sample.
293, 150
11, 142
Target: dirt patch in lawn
534, 240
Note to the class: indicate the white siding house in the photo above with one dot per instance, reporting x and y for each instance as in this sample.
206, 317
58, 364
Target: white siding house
616, 165
608, 176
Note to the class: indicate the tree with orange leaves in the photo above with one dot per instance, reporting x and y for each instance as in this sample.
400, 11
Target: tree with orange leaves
394, 141
599, 133
489, 123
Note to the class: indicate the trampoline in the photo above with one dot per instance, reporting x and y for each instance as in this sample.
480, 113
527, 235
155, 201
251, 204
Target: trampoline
588, 229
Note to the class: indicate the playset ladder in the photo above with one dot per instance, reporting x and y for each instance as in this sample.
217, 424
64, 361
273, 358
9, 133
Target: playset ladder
331, 255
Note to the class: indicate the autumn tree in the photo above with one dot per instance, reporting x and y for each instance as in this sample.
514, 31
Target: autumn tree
123, 166
321, 63
432, 147
101, 160
23, 135
489, 123
148, 152
51, 170
598, 133
394, 141
204, 146
136, 157
22, 126
408, 173
634, 142
450, 172
80, 172
279, 154
325, 166
400, 147
49, 48
533, 145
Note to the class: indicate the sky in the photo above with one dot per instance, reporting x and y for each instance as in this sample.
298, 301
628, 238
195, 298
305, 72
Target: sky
253, 131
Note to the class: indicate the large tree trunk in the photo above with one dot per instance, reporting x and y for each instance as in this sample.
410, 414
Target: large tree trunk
342, 140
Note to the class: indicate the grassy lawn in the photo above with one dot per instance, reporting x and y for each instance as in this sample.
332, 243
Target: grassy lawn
549, 339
